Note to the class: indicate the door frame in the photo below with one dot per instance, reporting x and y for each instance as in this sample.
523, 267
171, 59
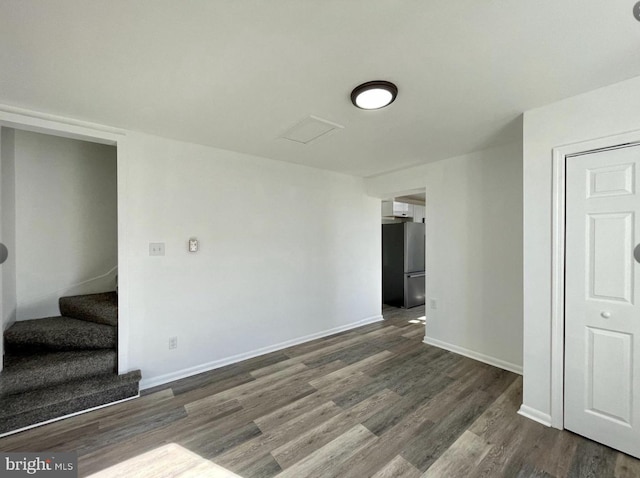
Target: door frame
560, 155
23, 119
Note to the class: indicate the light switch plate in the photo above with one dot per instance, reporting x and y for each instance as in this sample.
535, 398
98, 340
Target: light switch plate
156, 248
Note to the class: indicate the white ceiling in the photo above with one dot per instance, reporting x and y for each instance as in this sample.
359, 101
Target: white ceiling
238, 73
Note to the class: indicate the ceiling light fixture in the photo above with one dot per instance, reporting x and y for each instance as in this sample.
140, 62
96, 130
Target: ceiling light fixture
374, 95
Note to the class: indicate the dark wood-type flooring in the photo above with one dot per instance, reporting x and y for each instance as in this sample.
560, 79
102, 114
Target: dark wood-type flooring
374, 401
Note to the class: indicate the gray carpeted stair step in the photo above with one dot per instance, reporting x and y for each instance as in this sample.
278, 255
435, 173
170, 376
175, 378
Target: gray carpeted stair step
98, 308
30, 408
57, 334
24, 373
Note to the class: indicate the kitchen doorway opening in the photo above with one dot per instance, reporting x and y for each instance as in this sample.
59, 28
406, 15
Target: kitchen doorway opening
403, 249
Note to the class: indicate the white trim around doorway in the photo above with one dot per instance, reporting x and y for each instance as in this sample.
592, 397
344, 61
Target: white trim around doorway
18, 118
560, 155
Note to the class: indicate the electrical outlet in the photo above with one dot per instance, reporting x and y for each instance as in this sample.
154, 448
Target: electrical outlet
156, 248
173, 343
433, 304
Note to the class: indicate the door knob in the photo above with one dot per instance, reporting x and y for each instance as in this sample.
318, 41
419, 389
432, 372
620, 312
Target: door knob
636, 253
4, 253
605, 315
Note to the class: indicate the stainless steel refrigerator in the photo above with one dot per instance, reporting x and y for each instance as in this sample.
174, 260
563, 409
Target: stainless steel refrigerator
403, 274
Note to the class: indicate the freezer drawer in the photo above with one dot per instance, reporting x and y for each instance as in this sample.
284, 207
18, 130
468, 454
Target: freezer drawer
414, 289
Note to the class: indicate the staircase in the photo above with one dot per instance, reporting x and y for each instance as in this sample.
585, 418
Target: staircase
57, 366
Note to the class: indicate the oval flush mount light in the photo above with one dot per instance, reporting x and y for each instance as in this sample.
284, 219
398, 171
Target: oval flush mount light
374, 95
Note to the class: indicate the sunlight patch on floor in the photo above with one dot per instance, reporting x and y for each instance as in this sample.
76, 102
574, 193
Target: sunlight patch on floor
419, 320
170, 460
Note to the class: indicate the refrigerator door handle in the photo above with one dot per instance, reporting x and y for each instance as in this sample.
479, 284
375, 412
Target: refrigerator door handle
411, 276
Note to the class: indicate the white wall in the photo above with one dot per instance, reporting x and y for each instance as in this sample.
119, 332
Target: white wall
286, 252
603, 112
66, 220
7, 232
8, 224
474, 250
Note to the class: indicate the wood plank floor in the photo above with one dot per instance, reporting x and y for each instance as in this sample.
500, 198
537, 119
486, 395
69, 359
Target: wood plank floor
371, 402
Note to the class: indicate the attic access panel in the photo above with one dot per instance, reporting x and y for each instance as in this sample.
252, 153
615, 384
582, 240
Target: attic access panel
310, 129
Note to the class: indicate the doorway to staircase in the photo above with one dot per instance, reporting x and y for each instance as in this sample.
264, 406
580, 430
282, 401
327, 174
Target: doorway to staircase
64, 225
60, 309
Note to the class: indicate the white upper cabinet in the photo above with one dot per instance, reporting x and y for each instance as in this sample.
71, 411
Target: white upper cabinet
396, 209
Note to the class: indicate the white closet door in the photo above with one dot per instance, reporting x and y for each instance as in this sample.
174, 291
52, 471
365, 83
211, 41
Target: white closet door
602, 289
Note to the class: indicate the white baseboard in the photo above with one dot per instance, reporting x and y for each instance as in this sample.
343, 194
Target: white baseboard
12, 432
535, 415
206, 367
496, 362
